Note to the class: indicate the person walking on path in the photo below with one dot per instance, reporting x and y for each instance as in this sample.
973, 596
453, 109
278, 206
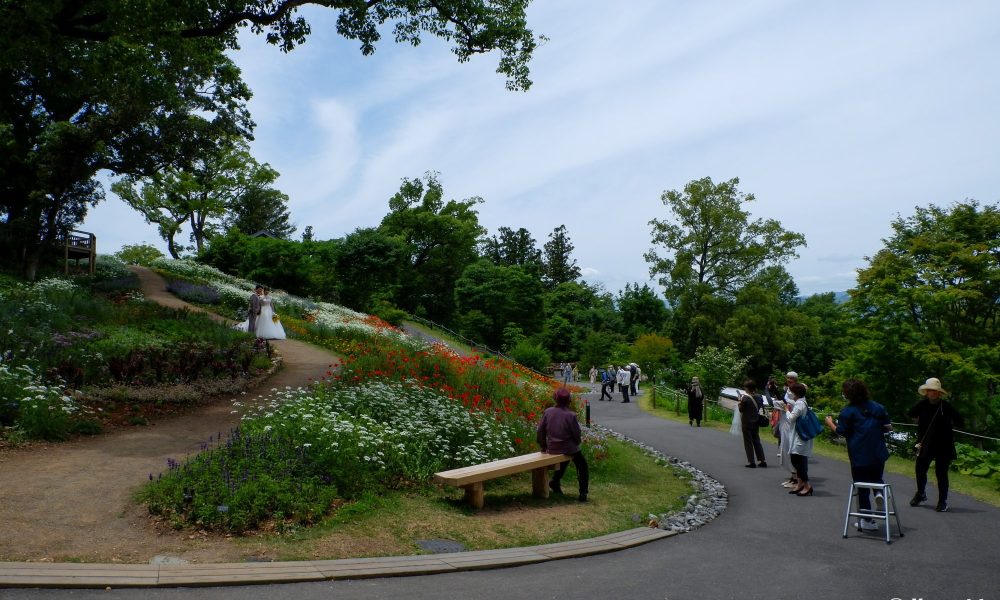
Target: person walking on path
800, 449
593, 374
864, 423
936, 420
696, 402
607, 383
634, 372
559, 433
749, 409
624, 381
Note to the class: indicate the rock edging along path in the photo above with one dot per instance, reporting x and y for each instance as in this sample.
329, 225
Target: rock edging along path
72, 501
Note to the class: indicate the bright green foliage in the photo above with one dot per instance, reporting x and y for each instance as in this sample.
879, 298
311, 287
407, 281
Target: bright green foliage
440, 240
259, 208
138, 254
201, 194
655, 354
531, 355
502, 297
715, 250
927, 305
716, 368
641, 310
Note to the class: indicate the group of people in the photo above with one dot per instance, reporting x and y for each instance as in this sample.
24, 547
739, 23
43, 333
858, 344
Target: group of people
261, 319
863, 423
626, 377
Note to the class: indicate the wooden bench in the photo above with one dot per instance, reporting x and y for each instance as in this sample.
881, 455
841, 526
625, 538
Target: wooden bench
472, 478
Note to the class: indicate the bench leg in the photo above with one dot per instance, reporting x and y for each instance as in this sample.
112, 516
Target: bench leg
539, 483
474, 494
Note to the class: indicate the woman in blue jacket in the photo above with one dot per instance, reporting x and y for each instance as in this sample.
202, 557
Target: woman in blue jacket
864, 423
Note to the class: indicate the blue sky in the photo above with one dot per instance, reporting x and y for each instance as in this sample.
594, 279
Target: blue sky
837, 116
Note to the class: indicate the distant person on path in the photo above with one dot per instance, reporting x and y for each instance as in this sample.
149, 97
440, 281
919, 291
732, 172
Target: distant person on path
800, 449
607, 383
936, 420
559, 433
749, 409
696, 402
864, 423
593, 374
624, 382
576, 374
633, 370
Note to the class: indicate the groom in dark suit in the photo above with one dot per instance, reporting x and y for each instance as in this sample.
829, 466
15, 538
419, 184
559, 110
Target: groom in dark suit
254, 309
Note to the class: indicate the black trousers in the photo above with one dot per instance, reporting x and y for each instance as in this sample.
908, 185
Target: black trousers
625, 393
801, 464
940, 471
582, 472
751, 442
604, 390
867, 474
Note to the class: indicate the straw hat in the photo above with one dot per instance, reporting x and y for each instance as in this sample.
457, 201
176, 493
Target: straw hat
694, 380
932, 384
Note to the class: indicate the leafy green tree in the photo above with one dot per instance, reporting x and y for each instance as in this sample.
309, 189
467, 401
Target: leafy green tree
598, 347
138, 254
531, 355
307, 234
927, 305
500, 297
441, 242
260, 208
112, 85
513, 249
370, 265
641, 310
558, 264
714, 250
205, 194
655, 355
716, 368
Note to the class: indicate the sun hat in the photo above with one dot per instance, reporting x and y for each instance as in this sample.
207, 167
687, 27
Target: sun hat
932, 384
695, 380
792, 375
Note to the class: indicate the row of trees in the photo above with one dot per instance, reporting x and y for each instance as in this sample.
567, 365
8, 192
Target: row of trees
147, 91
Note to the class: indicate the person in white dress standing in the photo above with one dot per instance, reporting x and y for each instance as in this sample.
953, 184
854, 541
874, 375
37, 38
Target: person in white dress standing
268, 325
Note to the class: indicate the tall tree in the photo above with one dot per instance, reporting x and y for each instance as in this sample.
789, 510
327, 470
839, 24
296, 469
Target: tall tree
498, 298
641, 310
714, 250
441, 241
559, 264
511, 248
200, 194
109, 84
259, 208
928, 305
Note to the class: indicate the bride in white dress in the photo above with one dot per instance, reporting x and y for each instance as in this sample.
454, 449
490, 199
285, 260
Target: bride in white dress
267, 327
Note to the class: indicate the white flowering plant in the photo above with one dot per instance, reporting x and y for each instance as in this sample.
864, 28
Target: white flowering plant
38, 409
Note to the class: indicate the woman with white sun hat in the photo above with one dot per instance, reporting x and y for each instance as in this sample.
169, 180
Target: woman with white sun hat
936, 420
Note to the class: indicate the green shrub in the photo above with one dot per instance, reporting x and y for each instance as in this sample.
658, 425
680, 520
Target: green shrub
533, 356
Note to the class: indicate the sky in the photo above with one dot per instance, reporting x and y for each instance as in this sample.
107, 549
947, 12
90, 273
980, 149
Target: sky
837, 116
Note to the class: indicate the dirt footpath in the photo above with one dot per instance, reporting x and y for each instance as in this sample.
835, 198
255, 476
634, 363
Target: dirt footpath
72, 501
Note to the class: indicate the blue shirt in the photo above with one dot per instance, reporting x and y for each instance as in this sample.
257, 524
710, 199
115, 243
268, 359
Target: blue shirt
864, 427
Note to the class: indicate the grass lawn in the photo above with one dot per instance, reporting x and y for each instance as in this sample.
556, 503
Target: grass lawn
442, 335
629, 483
980, 488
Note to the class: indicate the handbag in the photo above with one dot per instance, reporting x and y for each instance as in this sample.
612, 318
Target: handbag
808, 426
763, 421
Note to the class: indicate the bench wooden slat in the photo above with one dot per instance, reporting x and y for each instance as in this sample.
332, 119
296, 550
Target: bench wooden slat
508, 466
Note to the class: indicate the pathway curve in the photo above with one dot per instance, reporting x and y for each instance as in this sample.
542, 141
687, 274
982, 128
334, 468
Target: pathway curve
72, 501
767, 545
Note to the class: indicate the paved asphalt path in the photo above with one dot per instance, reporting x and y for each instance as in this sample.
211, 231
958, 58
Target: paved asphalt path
767, 545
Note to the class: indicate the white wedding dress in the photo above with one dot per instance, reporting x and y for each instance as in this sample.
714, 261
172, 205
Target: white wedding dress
267, 327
